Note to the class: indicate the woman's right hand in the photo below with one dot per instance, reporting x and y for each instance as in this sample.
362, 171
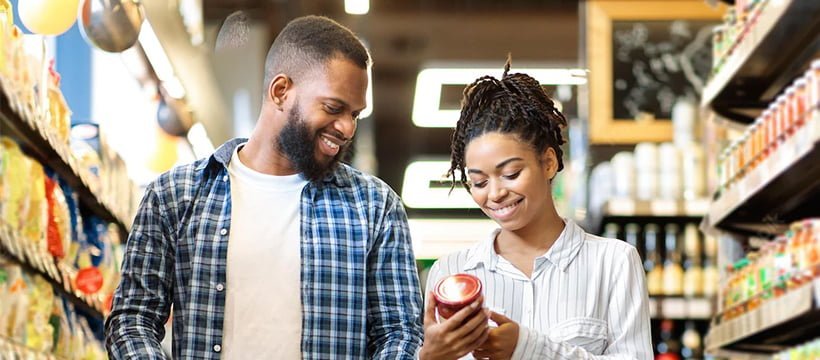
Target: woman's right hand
454, 337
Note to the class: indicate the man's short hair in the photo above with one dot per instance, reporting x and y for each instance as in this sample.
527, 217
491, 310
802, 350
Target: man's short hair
311, 41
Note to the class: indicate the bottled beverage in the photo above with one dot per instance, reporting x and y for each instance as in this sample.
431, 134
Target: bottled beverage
692, 345
692, 271
672, 268
711, 276
611, 230
631, 237
652, 264
669, 347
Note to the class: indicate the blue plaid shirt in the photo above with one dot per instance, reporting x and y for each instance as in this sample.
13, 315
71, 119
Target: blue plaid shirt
360, 291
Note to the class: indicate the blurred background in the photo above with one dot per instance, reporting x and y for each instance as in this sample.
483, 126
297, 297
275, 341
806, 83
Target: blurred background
693, 132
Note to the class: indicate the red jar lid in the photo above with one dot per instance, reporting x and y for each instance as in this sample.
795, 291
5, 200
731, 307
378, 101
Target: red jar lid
457, 289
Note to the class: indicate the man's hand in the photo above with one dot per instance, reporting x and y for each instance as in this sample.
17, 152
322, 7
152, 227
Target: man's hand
502, 340
456, 336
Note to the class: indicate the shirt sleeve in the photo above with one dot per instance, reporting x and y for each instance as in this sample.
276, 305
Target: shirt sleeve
628, 320
142, 301
393, 292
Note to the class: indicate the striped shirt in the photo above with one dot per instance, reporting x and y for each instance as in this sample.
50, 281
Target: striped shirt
359, 285
586, 298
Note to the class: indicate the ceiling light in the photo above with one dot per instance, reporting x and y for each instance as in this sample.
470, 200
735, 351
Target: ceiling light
174, 88
357, 7
426, 187
201, 144
427, 110
155, 53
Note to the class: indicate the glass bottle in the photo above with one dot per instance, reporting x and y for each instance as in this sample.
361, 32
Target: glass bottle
652, 264
672, 266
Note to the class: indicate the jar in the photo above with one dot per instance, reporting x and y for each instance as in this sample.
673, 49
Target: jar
780, 118
799, 109
813, 98
456, 291
791, 97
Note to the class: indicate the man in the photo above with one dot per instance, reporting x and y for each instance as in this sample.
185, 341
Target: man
270, 248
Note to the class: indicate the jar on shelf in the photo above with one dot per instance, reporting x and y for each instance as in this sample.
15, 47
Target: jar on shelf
791, 97
799, 109
813, 76
780, 118
782, 265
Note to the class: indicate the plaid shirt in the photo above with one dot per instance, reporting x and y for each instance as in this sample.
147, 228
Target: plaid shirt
360, 291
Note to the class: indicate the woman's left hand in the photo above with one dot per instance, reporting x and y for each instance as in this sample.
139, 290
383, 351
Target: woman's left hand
502, 340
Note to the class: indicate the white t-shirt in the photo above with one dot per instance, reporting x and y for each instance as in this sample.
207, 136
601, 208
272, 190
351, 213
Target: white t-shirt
263, 308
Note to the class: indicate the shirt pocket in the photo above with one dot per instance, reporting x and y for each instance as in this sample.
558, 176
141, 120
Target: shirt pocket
588, 333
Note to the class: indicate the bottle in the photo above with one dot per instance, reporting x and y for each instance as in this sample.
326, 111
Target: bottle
631, 237
652, 264
692, 345
669, 347
711, 277
692, 271
672, 267
611, 230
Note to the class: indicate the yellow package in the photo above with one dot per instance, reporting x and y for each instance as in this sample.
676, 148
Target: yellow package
36, 222
39, 332
15, 184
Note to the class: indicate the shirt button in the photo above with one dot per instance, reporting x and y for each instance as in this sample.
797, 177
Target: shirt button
217, 348
220, 287
225, 178
223, 232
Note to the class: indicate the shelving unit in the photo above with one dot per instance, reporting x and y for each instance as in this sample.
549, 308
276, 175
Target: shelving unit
625, 207
784, 188
23, 352
681, 308
17, 121
779, 323
776, 48
57, 274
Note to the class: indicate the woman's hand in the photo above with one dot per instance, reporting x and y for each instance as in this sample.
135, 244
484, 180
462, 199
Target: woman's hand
456, 336
502, 340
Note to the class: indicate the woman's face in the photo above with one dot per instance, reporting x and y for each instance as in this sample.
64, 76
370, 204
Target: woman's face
509, 180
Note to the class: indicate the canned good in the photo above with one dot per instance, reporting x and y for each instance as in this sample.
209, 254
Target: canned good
456, 291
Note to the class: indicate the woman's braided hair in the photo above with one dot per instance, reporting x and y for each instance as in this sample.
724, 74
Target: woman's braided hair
517, 105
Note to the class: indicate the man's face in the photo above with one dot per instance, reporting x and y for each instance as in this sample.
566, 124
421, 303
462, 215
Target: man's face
322, 118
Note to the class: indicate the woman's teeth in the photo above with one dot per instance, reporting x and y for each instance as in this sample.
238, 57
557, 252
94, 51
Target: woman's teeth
506, 210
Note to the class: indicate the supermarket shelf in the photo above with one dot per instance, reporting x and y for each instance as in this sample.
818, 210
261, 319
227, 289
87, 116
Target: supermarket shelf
11, 348
777, 324
777, 47
16, 119
625, 207
783, 188
56, 273
681, 308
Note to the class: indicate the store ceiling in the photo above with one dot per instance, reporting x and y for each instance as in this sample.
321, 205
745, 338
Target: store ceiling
405, 36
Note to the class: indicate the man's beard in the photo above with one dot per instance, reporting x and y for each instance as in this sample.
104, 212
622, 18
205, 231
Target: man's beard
298, 144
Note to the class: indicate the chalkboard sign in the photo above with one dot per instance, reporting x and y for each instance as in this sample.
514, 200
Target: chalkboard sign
656, 62
644, 55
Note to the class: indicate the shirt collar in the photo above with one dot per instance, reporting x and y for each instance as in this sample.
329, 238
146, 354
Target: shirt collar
222, 156
561, 253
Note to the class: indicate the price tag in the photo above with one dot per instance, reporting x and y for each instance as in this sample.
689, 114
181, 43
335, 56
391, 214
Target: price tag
622, 207
664, 207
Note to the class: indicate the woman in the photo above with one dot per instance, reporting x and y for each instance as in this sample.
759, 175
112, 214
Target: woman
554, 290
